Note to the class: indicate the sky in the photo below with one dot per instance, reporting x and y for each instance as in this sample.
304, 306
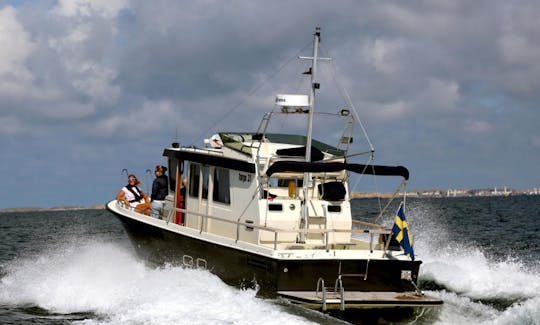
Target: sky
449, 89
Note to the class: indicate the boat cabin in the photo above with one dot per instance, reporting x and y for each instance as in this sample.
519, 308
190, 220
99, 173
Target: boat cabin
262, 176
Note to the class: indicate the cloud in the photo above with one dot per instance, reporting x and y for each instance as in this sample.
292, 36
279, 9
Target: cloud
385, 55
435, 83
11, 126
88, 8
148, 117
516, 41
439, 96
16, 47
476, 127
84, 48
392, 111
535, 141
59, 72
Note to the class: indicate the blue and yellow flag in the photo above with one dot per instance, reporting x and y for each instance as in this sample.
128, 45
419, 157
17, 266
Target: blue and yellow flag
401, 232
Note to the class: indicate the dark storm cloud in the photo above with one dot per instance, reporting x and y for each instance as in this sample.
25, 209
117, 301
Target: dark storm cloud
448, 88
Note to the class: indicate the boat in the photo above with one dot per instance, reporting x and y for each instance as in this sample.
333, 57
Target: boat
272, 211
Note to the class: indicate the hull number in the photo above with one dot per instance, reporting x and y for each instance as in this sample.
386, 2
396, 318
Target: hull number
199, 263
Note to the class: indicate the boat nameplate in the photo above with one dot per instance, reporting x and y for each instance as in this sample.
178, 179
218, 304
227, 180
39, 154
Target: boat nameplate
292, 100
244, 178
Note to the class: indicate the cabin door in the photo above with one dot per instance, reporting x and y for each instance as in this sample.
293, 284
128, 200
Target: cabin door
180, 193
200, 185
206, 197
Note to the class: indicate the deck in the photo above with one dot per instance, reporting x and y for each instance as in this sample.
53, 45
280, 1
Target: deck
358, 299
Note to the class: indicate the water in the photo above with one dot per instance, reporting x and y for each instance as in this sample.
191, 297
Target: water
480, 255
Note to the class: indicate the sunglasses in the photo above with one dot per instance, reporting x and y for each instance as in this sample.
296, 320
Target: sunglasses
132, 179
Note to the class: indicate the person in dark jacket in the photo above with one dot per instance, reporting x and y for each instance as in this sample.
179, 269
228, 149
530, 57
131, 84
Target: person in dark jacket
160, 188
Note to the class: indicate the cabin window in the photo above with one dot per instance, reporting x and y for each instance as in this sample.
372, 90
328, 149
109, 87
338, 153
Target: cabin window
221, 186
283, 182
275, 207
272, 182
221, 192
334, 208
332, 191
194, 176
172, 174
205, 172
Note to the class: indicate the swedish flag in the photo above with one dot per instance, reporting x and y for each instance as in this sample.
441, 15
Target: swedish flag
400, 231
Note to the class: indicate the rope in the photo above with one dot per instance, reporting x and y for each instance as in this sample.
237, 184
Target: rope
247, 205
345, 94
401, 185
370, 159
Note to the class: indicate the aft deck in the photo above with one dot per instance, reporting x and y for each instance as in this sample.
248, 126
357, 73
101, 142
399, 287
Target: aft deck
338, 298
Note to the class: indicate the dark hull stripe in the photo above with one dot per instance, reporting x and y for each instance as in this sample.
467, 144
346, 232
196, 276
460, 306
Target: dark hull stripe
242, 268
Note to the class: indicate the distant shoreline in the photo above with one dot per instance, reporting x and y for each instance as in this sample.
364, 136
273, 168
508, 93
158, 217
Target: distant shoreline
37, 209
354, 195
448, 193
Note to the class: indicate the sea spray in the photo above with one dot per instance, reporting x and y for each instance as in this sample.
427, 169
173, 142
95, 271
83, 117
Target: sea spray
449, 233
106, 280
485, 268
478, 285
472, 274
73, 278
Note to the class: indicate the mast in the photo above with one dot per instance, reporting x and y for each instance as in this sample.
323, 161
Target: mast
309, 138
314, 85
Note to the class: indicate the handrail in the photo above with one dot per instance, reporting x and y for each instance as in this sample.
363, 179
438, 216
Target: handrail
341, 291
272, 229
367, 224
320, 281
276, 231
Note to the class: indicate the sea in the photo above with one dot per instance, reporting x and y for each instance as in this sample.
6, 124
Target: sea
481, 256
